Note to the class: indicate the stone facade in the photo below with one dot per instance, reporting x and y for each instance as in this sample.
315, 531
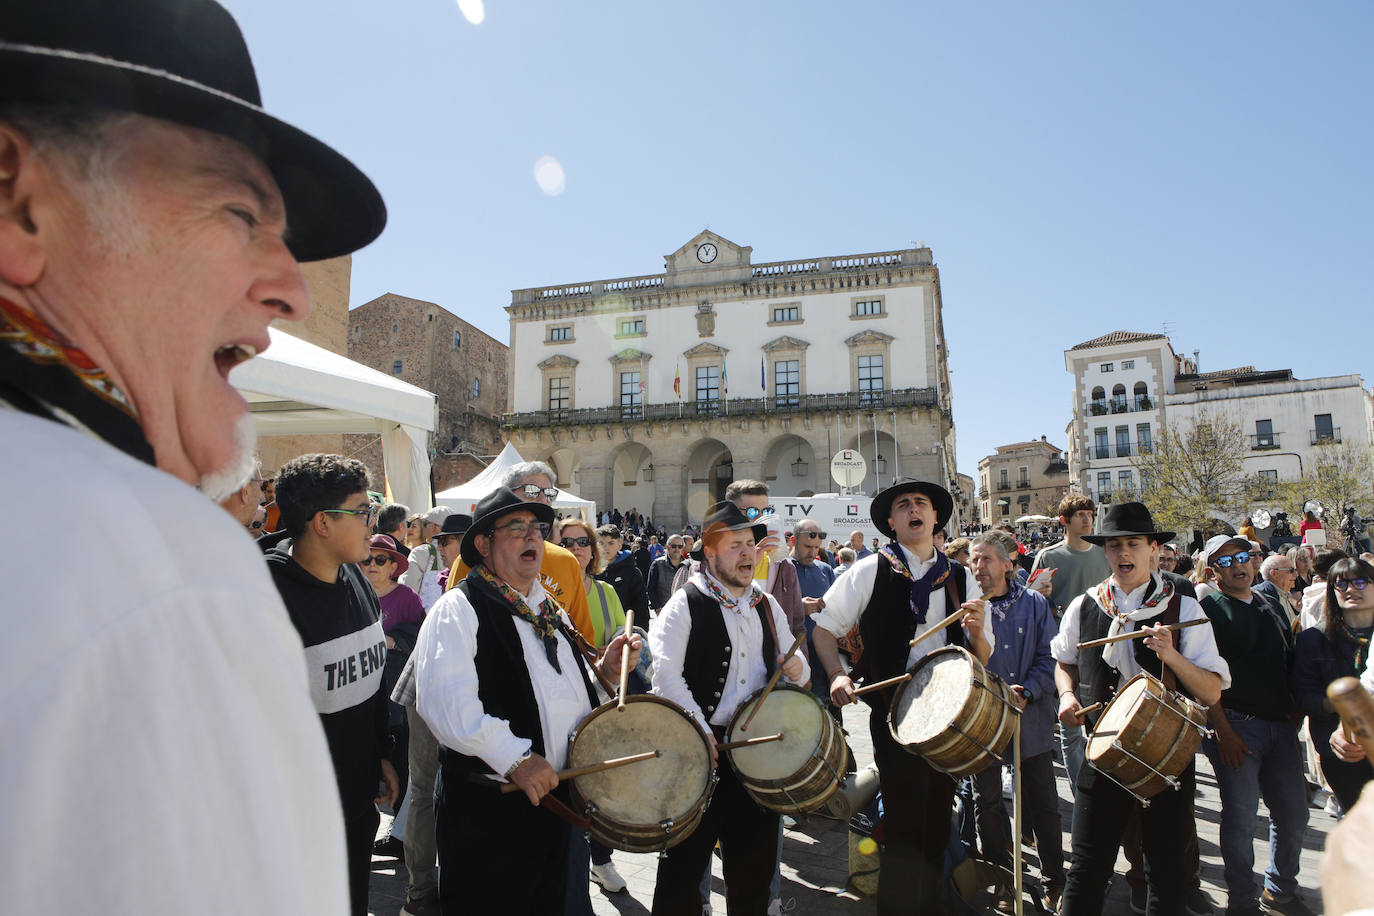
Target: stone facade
428, 346
655, 391
1025, 478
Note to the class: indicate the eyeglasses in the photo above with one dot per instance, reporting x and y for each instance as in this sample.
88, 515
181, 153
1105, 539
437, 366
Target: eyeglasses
521, 529
530, 491
751, 513
380, 560
675, 546
1241, 556
444, 539
582, 541
813, 535
370, 513
1168, 560
1358, 585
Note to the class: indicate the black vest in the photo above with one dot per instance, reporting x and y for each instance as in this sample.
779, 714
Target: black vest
889, 623
706, 663
503, 677
1097, 680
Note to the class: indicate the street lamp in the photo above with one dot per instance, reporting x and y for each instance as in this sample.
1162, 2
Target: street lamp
799, 467
649, 472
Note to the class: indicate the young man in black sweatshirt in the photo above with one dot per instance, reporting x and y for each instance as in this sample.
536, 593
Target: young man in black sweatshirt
327, 516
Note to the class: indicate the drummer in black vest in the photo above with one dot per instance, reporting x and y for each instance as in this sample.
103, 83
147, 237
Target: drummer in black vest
1133, 597
905, 587
501, 683
715, 642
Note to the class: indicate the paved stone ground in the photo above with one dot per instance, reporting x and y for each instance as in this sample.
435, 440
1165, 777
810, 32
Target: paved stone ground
816, 855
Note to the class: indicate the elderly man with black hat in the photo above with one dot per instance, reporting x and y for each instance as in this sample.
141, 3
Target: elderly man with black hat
1134, 597
722, 612
501, 683
890, 595
159, 691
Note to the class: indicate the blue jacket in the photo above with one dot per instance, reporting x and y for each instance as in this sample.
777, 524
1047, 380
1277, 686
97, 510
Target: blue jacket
1021, 655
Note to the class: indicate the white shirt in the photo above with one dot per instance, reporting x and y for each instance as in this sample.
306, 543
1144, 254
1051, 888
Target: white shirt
153, 702
422, 575
846, 600
446, 686
671, 629
1197, 644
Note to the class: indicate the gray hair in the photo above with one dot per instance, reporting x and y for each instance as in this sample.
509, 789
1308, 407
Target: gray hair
517, 474
1271, 563
994, 540
846, 554
77, 136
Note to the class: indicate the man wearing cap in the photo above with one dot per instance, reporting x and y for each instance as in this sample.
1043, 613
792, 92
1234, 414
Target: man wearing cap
422, 575
905, 587
721, 613
144, 199
501, 684
1255, 752
1135, 596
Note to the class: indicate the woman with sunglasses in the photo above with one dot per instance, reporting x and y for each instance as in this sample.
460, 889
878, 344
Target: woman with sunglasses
1339, 649
400, 603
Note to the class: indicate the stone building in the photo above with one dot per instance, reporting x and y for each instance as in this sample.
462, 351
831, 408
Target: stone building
967, 500
635, 405
1024, 478
426, 345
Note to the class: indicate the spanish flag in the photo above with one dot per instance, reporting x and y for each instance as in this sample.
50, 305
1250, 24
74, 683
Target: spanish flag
677, 383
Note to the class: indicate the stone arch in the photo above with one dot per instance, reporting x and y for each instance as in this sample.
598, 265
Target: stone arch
707, 472
880, 474
565, 463
625, 486
779, 460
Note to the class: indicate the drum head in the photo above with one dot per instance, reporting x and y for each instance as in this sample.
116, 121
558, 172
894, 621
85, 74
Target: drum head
928, 704
653, 790
1116, 715
794, 713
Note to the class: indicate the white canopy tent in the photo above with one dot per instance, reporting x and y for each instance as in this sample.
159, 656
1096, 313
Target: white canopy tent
297, 388
466, 495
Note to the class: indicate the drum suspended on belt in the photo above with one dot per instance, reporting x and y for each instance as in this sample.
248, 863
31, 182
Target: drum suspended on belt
651, 805
1146, 737
800, 772
953, 712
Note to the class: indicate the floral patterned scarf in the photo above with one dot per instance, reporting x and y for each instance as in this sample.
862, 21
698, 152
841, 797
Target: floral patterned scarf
545, 623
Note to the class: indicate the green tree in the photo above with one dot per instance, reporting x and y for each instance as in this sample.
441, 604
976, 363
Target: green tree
1340, 475
1195, 473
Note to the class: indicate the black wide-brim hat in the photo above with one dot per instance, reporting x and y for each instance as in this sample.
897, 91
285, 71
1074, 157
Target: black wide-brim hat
725, 517
1124, 520
882, 503
457, 523
489, 511
185, 61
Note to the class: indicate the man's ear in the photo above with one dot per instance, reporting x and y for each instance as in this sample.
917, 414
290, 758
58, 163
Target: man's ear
22, 179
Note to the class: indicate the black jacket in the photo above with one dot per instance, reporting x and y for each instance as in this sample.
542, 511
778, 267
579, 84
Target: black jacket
625, 577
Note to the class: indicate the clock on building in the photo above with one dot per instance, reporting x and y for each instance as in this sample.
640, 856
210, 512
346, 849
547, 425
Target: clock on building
706, 253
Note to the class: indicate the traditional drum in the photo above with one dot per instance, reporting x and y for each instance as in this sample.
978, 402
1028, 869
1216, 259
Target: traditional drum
953, 712
648, 806
799, 773
1146, 737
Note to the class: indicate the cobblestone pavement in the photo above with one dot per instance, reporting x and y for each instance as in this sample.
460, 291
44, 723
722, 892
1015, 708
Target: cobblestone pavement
816, 854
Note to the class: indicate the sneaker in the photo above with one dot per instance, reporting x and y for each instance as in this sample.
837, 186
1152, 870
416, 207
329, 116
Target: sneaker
608, 878
776, 907
1316, 798
1289, 905
1197, 903
389, 848
422, 905
1139, 898
1054, 893
1333, 807
788, 822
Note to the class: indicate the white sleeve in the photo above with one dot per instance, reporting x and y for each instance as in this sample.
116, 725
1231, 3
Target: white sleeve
1064, 646
668, 643
1199, 644
780, 627
1367, 679
446, 687
846, 599
415, 572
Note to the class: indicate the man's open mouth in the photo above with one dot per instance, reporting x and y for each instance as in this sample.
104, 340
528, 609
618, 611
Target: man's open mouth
227, 357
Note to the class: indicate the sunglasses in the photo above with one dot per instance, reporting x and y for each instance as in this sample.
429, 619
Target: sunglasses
751, 513
1358, 585
521, 529
675, 546
380, 559
1242, 556
583, 541
530, 491
370, 513
814, 535
443, 540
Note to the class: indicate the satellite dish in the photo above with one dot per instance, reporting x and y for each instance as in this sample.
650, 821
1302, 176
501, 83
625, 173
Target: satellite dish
1261, 518
848, 467
1314, 507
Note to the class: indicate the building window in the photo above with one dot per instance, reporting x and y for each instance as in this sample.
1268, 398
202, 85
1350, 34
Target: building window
1106, 367
1144, 439
1098, 407
1118, 399
558, 395
787, 382
1006, 507
786, 314
1104, 486
1100, 449
1269, 484
870, 379
631, 327
1264, 434
1123, 442
396, 367
867, 308
457, 339
708, 389
476, 387
1023, 480
1125, 486
1142, 396
1127, 364
631, 394
1002, 483
562, 332
1324, 431
395, 328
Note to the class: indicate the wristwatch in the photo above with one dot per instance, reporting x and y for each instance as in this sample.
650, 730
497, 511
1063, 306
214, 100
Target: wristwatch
519, 760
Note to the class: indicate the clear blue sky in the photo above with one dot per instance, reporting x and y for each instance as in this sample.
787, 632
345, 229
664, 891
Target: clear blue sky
1076, 168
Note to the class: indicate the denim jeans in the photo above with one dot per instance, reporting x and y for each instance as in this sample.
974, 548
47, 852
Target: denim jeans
1272, 771
1071, 754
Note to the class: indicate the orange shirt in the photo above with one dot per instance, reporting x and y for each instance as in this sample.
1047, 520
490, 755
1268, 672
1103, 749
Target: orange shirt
561, 577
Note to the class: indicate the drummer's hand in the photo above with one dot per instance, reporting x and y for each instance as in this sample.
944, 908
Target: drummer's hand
1068, 710
1349, 751
813, 605
1161, 641
1232, 747
610, 659
766, 546
389, 786
711, 742
792, 668
536, 778
1018, 696
842, 690
1345, 866
973, 620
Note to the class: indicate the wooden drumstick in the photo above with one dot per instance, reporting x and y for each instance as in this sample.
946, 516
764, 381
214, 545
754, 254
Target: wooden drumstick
1089, 709
869, 688
957, 615
1356, 707
773, 681
748, 742
625, 657
591, 768
1140, 634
